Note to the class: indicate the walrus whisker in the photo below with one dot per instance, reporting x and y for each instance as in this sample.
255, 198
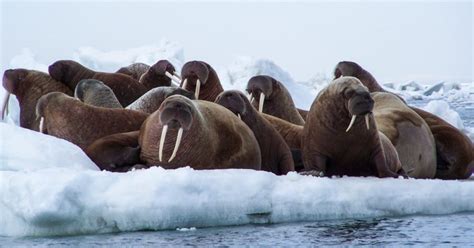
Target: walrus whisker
260, 104
176, 145
5, 105
185, 83
367, 121
351, 123
162, 142
177, 75
198, 88
41, 125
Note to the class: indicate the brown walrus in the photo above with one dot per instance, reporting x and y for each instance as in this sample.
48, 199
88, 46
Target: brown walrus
70, 119
199, 134
454, 150
118, 152
200, 78
340, 136
28, 86
135, 70
158, 75
271, 97
151, 101
96, 93
276, 155
69, 72
408, 132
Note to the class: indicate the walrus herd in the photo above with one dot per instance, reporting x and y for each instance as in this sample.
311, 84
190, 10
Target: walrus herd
143, 116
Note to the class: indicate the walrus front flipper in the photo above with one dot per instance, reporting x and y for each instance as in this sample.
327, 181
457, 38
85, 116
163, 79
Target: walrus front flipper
454, 150
314, 165
117, 152
290, 132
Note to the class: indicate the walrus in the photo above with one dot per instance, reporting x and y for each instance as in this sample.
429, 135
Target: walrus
118, 152
340, 136
276, 155
151, 101
271, 97
96, 93
69, 72
199, 134
408, 132
135, 70
454, 150
162, 73
28, 86
200, 78
70, 119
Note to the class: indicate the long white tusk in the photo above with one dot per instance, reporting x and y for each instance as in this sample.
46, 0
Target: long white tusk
177, 75
162, 142
176, 145
260, 104
173, 79
251, 98
352, 123
5, 105
185, 83
198, 88
41, 125
367, 121
238, 115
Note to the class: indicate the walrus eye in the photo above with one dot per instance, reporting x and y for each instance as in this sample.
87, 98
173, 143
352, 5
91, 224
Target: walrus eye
348, 93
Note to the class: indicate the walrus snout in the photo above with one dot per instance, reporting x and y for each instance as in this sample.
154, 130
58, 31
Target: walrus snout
194, 73
176, 114
232, 100
361, 104
260, 88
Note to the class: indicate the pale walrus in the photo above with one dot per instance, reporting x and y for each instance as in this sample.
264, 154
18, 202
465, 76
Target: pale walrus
151, 101
200, 78
135, 70
276, 155
70, 119
96, 93
271, 97
162, 73
408, 132
28, 86
199, 134
340, 136
69, 72
454, 150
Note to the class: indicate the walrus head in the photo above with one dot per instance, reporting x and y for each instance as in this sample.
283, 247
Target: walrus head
176, 112
261, 88
195, 73
233, 100
61, 69
162, 71
44, 101
356, 96
86, 85
11, 82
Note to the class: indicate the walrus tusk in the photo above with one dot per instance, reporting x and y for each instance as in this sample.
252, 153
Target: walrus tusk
162, 142
173, 79
177, 75
367, 121
352, 123
176, 146
238, 115
185, 83
260, 104
198, 88
5, 105
41, 125
251, 98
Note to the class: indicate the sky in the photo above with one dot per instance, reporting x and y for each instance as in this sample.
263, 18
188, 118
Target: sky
396, 41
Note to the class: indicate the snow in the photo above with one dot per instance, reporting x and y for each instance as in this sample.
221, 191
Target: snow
50, 187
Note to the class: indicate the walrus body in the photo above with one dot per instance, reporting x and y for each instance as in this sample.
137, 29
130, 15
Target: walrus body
454, 150
70, 119
156, 76
151, 101
276, 99
28, 86
408, 132
276, 155
200, 78
135, 70
359, 150
211, 137
69, 72
96, 93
